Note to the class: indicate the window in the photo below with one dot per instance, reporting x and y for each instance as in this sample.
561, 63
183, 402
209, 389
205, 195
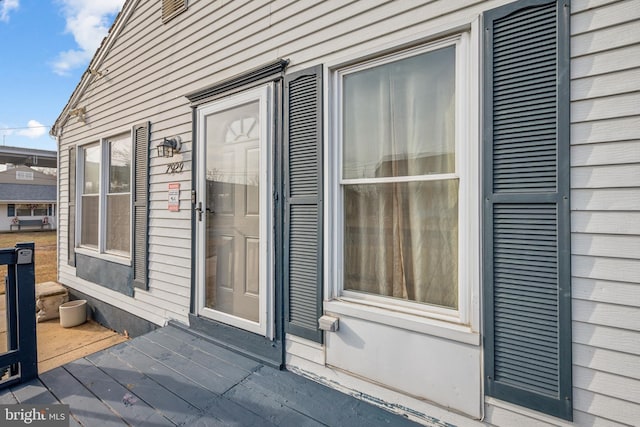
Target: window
90, 202
105, 199
34, 209
401, 178
119, 196
24, 175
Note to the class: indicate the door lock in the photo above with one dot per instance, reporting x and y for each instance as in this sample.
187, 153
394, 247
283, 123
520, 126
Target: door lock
199, 210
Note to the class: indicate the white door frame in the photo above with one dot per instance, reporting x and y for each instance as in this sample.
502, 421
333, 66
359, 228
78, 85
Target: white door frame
264, 326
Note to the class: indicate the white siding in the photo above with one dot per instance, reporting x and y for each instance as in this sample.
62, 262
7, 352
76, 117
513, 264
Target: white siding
605, 175
606, 237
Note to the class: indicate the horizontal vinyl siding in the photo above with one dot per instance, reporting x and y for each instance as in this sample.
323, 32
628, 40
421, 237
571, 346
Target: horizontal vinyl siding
605, 220
605, 115
152, 66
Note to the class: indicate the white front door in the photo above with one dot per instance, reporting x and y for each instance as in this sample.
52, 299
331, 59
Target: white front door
234, 211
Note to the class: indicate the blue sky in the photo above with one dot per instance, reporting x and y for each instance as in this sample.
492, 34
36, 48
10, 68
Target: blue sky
45, 46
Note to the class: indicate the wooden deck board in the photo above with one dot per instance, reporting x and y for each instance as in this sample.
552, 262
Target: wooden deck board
130, 407
172, 406
222, 411
199, 374
7, 398
328, 406
193, 393
85, 407
34, 393
58, 345
222, 367
227, 356
269, 405
169, 377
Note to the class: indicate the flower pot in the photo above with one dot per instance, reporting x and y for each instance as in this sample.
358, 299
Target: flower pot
73, 313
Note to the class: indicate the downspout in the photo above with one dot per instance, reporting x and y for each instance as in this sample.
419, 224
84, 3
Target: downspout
58, 132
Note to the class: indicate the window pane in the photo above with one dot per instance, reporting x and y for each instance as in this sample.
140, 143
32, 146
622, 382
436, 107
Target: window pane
399, 117
401, 240
91, 179
23, 210
118, 223
40, 210
89, 236
120, 166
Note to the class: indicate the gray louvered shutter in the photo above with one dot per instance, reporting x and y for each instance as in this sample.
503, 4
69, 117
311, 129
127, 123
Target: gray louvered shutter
140, 195
11, 210
527, 305
71, 225
303, 203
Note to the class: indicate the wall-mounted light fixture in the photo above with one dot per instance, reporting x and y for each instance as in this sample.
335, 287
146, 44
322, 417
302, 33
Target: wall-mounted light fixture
169, 146
97, 73
79, 113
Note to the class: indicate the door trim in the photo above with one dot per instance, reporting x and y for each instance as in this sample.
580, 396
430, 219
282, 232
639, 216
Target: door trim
265, 326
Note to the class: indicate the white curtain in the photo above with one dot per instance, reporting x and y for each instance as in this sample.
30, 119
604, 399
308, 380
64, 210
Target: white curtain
401, 237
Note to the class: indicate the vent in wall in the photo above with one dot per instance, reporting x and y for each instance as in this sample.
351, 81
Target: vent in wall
172, 8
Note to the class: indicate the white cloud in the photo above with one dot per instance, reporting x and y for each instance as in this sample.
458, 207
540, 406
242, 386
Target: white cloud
7, 6
88, 21
34, 130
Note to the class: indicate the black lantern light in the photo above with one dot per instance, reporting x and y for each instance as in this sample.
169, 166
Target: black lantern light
169, 146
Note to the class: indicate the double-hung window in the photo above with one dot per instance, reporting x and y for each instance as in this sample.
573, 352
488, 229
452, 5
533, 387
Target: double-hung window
105, 196
402, 155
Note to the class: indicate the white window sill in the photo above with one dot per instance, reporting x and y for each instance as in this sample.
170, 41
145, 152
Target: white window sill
438, 328
105, 256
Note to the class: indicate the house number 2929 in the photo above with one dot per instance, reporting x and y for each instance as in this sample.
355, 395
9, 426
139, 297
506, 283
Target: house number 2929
175, 167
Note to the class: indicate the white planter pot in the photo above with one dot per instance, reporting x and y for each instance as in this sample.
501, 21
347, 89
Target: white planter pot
73, 313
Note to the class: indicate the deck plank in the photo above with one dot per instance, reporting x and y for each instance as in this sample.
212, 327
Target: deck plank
269, 406
187, 390
171, 377
222, 411
33, 392
214, 350
84, 406
7, 398
129, 406
196, 353
164, 400
199, 374
320, 402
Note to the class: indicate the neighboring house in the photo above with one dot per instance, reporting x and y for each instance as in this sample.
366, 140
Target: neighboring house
432, 205
28, 197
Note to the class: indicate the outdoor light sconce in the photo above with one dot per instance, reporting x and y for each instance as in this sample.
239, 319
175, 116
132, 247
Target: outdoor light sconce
169, 146
79, 113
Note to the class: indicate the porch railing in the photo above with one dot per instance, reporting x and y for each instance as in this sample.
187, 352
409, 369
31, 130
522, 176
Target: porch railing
20, 362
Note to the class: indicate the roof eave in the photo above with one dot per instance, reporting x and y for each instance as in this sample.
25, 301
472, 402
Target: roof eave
95, 64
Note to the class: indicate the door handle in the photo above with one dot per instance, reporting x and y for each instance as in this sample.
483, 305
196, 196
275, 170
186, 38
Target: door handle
199, 210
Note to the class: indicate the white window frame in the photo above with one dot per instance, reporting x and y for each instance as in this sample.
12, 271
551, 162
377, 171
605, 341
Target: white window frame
451, 323
101, 252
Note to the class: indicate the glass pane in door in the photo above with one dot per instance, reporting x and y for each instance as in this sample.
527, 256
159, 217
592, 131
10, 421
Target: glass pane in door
232, 211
